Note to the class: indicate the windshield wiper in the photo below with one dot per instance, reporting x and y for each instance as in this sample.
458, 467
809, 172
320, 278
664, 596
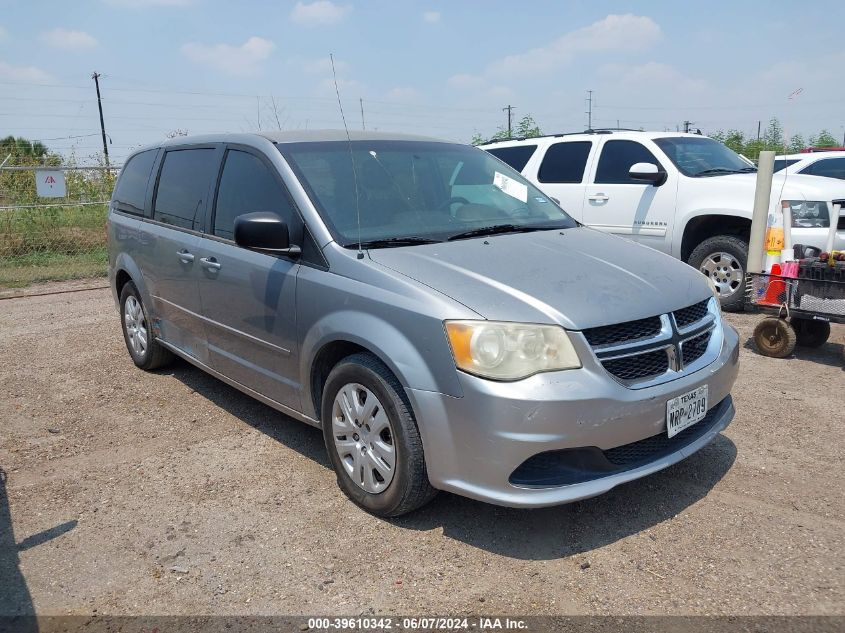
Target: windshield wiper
720, 170
389, 242
499, 228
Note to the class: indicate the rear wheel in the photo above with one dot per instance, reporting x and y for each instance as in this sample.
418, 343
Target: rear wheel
723, 259
372, 438
811, 333
774, 337
146, 352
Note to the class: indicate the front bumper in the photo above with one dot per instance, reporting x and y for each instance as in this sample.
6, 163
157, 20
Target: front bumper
473, 444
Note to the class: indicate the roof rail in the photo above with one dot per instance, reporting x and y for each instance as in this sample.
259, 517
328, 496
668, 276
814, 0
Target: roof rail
604, 130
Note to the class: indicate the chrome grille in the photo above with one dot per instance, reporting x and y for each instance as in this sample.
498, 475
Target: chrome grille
688, 316
621, 332
694, 348
649, 351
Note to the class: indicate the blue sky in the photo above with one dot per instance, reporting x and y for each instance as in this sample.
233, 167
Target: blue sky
441, 68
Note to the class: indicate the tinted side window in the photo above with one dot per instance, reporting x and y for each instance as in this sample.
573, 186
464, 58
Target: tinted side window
131, 189
517, 157
830, 167
182, 187
782, 163
565, 162
617, 158
247, 185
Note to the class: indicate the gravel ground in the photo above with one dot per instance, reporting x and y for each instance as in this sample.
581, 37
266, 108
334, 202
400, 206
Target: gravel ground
170, 493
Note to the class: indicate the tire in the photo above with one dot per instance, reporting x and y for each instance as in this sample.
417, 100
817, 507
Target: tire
774, 337
723, 259
152, 354
811, 333
386, 424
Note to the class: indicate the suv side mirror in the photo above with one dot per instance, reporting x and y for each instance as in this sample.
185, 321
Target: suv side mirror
648, 172
265, 232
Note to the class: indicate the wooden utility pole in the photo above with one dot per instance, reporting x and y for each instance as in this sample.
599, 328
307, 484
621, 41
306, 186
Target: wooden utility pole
509, 109
96, 78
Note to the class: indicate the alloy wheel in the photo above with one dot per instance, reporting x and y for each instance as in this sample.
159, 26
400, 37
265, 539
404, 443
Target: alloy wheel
725, 271
136, 325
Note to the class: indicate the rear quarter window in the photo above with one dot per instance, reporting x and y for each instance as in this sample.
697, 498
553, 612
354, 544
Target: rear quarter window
131, 190
565, 162
517, 157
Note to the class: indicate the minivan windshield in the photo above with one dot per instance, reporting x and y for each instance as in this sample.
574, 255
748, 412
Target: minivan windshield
416, 192
698, 157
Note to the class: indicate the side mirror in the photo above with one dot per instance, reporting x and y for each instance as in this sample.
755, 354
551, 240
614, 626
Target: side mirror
647, 172
265, 232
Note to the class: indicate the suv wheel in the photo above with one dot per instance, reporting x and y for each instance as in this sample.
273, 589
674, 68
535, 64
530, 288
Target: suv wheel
146, 352
723, 258
372, 438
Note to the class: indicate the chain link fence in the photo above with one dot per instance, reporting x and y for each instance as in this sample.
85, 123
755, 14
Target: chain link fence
59, 234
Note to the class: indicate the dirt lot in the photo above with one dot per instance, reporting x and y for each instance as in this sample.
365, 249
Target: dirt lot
171, 493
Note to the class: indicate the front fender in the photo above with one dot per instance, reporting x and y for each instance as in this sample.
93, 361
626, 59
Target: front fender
689, 216
434, 371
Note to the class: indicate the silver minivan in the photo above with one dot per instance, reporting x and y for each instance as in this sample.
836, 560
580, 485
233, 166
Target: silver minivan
446, 324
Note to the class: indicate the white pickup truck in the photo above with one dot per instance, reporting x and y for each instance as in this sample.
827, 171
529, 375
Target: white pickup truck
683, 194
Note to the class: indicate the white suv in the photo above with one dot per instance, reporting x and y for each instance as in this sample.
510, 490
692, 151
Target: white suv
830, 164
683, 194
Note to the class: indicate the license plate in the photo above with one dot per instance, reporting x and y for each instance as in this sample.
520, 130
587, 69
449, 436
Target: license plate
685, 410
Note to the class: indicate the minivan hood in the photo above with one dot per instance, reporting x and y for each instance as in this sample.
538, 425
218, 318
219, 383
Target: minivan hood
578, 278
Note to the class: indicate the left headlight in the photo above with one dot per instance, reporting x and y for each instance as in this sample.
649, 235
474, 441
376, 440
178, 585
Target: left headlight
808, 213
510, 351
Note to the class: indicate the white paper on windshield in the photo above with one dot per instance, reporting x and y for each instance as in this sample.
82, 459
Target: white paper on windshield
511, 187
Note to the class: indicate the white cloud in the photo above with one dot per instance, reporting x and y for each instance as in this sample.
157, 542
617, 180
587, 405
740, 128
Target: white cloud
653, 76
317, 65
233, 60
403, 93
23, 73
68, 40
432, 17
463, 80
142, 4
613, 33
319, 13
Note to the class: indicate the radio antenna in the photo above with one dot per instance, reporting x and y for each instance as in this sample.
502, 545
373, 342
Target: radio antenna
351, 158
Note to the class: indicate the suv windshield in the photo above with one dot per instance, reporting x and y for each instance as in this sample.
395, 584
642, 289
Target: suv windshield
702, 156
417, 192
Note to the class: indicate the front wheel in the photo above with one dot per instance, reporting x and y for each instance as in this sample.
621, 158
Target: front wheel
723, 259
372, 438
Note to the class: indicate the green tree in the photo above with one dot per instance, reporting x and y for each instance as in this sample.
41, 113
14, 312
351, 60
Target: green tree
773, 136
823, 139
796, 144
526, 127
732, 138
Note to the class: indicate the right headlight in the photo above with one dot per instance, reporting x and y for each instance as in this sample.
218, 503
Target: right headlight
510, 351
808, 213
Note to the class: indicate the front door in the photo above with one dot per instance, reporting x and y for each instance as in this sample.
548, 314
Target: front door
248, 298
618, 204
